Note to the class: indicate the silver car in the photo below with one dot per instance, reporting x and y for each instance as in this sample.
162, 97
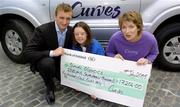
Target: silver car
18, 19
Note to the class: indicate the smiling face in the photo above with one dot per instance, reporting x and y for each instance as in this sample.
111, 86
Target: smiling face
130, 31
80, 35
63, 19
63, 15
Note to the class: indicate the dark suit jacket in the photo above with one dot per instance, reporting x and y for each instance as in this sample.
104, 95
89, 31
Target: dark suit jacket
45, 39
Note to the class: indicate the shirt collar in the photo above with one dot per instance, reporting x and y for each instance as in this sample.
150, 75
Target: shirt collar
58, 30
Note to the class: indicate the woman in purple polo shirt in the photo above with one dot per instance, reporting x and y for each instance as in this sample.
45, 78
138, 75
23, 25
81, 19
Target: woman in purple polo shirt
131, 43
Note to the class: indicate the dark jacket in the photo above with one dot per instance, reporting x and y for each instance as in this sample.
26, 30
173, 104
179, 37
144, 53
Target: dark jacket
45, 39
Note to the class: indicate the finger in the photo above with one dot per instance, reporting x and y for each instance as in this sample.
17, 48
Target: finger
93, 97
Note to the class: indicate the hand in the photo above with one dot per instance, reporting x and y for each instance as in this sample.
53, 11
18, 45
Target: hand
119, 56
58, 52
93, 97
142, 61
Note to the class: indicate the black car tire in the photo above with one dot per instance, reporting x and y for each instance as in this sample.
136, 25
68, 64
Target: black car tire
169, 46
15, 35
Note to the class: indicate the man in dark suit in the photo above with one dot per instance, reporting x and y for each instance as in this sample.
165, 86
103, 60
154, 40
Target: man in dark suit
46, 46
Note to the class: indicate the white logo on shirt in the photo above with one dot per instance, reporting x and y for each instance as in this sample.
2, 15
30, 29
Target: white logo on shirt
130, 51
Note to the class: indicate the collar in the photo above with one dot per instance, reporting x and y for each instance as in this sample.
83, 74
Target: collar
58, 30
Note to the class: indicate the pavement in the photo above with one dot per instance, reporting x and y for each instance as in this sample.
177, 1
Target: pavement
21, 88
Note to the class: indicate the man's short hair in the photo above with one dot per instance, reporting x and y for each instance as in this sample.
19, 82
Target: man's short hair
63, 7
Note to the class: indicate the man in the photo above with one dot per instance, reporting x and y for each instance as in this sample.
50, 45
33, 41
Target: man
46, 46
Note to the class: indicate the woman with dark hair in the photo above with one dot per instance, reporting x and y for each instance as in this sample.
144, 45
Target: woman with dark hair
83, 41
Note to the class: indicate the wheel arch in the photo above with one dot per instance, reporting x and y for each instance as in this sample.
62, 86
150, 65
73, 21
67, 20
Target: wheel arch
6, 17
174, 19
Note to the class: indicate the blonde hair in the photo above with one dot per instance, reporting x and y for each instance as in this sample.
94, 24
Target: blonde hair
134, 17
63, 7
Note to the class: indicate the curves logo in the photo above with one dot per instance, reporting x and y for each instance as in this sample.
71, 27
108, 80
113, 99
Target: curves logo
91, 58
99, 10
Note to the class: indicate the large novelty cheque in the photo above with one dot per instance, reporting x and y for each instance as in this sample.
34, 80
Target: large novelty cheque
107, 78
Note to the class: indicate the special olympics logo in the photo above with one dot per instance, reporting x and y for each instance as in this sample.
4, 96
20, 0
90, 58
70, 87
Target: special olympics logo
91, 58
